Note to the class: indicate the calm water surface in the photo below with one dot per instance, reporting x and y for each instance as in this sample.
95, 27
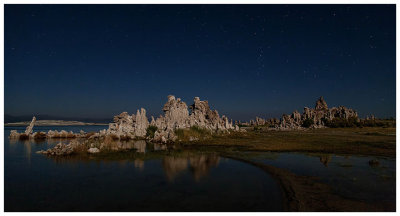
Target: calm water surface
200, 182
349, 176
172, 182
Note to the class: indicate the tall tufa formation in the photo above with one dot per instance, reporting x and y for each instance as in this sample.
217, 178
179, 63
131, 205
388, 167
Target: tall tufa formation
176, 116
29, 129
129, 126
321, 105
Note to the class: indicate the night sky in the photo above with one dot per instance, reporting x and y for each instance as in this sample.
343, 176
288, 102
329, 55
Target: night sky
246, 60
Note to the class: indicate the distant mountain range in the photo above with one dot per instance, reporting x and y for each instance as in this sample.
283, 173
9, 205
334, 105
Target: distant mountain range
11, 118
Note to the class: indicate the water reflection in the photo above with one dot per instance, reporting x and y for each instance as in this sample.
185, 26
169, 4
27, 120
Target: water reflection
140, 146
159, 147
114, 145
325, 159
28, 150
173, 166
139, 164
199, 165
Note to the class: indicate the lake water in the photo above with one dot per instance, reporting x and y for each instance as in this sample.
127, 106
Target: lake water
349, 176
154, 178
165, 182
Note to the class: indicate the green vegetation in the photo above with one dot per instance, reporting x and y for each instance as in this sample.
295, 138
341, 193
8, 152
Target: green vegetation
379, 141
378, 123
342, 123
194, 133
307, 123
355, 122
150, 131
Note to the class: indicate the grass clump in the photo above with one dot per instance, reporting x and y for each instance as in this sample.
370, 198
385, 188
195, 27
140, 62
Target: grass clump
343, 123
386, 123
150, 131
193, 133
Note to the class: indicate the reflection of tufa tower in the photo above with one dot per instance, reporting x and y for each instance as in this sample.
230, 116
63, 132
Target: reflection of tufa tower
325, 159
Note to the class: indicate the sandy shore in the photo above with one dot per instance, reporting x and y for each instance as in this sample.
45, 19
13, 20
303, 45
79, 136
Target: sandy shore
52, 123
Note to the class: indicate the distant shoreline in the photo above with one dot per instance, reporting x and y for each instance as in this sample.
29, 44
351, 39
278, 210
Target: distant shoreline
53, 123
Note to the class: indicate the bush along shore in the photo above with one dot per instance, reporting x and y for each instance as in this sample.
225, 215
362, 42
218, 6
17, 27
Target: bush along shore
203, 126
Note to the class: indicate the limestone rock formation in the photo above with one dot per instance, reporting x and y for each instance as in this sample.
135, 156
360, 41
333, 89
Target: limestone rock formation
129, 126
59, 149
93, 150
141, 123
126, 126
261, 122
29, 129
14, 134
176, 116
321, 104
316, 116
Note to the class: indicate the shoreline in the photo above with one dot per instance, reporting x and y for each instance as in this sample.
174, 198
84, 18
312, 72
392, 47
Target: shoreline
54, 123
299, 192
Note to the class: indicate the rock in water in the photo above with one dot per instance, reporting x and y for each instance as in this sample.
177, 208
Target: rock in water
93, 150
176, 116
29, 129
14, 134
59, 150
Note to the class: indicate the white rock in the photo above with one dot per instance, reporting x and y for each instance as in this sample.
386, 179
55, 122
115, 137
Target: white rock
93, 150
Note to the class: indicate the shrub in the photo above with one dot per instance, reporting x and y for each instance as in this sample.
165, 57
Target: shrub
113, 137
80, 147
342, 122
23, 137
307, 123
150, 131
39, 135
378, 123
257, 128
192, 133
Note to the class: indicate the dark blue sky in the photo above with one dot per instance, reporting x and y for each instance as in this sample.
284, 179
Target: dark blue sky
246, 60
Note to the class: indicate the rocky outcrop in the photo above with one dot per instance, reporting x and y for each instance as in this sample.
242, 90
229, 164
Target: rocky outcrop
126, 126
261, 122
321, 105
93, 150
129, 126
315, 118
59, 150
14, 134
176, 116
